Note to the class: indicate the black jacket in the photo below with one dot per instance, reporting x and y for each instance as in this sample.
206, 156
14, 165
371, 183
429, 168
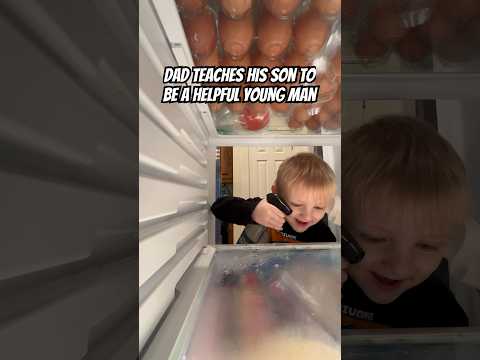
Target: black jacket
429, 304
239, 211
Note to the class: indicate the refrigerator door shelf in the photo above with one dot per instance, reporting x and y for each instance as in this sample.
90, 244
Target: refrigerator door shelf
437, 343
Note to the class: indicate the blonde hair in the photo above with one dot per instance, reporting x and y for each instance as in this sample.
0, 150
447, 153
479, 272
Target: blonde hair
407, 165
305, 169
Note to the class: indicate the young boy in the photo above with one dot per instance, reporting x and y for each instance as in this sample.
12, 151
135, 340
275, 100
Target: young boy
307, 184
404, 201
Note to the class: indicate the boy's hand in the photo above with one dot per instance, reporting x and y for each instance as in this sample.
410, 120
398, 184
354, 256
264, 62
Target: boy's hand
268, 215
344, 270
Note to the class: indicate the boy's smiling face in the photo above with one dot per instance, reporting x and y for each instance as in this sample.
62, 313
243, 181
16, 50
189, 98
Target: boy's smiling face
308, 206
400, 253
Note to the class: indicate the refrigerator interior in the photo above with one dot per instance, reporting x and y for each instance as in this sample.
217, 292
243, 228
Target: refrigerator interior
178, 180
177, 156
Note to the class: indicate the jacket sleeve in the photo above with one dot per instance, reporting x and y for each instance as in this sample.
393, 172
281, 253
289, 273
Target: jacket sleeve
234, 209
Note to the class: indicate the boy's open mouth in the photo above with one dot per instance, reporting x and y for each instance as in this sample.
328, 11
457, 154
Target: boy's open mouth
302, 223
385, 282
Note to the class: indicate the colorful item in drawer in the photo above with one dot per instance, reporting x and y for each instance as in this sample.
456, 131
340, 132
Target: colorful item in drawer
236, 8
201, 33
236, 35
191, 6
385, 24
281, 8
310, 34
273, 35
327, 8
254, 318
368, 49
412, 48
255, 116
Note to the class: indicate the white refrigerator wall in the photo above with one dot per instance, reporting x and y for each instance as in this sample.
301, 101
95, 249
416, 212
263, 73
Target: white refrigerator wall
173, 209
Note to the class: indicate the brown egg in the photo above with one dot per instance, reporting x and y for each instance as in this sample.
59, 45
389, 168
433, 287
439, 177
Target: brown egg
281, 8
313, 123
332, 123
215, 107
191, 6
237, 107
300, 114
280, 107
336, 64
240, 62
327, 7
296, 59
273, 35
236, 35
328, 85
294, 124
322, 117
310, 34
236, 8
212, 59
258, 108
459, 10
411, 47
333, 106
201, 33
367, 48
438, 29
460, 49
261, 60
386, 25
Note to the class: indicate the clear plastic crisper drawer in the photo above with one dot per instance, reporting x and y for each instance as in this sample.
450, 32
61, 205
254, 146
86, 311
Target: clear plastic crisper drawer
269, 304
